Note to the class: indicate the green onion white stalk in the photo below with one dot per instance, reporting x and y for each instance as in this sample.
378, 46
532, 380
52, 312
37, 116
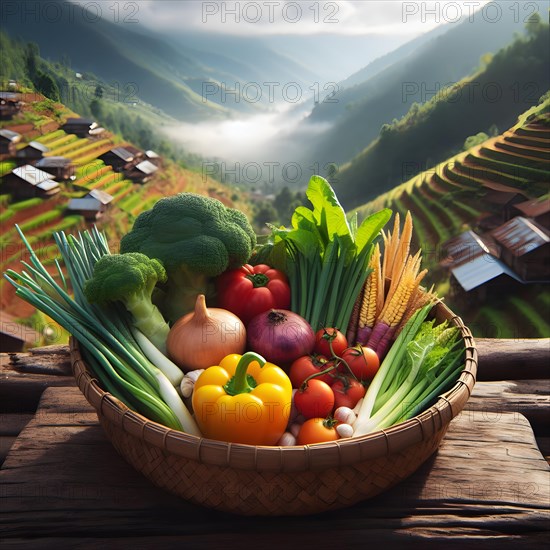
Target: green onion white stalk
423, 362
108, 346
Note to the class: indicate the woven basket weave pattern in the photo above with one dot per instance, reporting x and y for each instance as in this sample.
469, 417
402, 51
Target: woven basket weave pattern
278, 480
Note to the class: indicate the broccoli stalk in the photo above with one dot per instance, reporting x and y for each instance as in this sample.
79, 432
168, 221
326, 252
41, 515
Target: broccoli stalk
131, 279
196, 238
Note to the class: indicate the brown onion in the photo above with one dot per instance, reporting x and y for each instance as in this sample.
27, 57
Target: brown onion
204, 337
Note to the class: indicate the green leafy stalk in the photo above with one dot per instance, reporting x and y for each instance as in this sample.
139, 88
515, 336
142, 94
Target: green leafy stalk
326, 256
420, 364
107, 343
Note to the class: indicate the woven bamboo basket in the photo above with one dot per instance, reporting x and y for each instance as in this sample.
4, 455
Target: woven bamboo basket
256, 480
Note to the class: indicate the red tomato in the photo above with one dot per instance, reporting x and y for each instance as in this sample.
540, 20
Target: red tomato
326, 337
362, 361
347, 392
307, 365
317, 430
316, 399
251, 290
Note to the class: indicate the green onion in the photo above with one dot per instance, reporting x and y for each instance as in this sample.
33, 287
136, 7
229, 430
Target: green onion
326, 257
422, 363
108, 345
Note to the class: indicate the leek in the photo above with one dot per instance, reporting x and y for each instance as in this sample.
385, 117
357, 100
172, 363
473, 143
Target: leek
108, 346
423, 362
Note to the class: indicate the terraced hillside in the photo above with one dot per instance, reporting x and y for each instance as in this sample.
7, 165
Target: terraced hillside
40, 217
476, 190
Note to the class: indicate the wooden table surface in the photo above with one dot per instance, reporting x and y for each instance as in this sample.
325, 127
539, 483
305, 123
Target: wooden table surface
64, 486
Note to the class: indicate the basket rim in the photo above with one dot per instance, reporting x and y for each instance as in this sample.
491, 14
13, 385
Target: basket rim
290, 458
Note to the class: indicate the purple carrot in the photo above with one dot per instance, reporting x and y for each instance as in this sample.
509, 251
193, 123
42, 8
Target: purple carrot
380, 338
363, 335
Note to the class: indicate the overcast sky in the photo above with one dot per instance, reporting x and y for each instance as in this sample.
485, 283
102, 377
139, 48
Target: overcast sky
302, 17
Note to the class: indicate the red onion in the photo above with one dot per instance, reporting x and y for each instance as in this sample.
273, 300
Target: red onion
281, 336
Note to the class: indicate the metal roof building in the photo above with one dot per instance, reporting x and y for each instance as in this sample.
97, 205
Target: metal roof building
481, 270
520, 236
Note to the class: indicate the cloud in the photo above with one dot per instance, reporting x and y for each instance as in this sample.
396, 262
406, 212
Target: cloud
252, 18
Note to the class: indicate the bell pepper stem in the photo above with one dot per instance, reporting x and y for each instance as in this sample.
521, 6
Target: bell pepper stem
258, 279
241, 381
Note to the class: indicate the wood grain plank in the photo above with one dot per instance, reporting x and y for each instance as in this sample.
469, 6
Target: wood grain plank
63, 479
513, 358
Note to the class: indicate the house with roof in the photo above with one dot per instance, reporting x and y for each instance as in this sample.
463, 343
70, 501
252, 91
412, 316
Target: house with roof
501, 199
142, 172
8, 142
119, 158
32, 152
475, 267
153, 157
536, 209
524, 247
60, 168
10, 105
138, 154
28, 181
80, 127
92, 206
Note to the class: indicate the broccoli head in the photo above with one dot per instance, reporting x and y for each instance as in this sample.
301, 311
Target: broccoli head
131, 279
196, 238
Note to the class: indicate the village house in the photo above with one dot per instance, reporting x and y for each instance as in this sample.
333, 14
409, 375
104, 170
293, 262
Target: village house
142, 172
153, 157
474, 266
501, 199
119, 158
28, 181
8, 142
31, 152
10, 105
92, 206
80, 127
525, 247
138, 154
536, 209
61, 168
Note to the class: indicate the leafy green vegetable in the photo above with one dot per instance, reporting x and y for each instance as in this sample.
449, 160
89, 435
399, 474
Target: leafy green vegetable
196, 238
424, 361
131, 278
107, 344
325, 256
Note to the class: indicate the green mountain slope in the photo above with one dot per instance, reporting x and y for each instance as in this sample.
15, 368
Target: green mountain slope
418, 73
512, 81
161, 71
468, 192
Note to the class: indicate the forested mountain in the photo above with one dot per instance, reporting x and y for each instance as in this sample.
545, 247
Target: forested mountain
413, 74
512, 81
157, 69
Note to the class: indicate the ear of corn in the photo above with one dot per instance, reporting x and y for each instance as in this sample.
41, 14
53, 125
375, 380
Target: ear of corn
373, 296
390, 308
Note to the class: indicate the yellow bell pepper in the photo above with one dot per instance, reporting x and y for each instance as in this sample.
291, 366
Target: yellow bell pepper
243, 400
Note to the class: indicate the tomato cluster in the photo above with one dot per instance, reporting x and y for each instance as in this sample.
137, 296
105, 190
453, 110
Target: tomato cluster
334, 376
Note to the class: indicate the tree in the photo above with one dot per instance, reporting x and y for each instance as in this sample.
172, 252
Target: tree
31, 59
96, 108
533, 24
47, 86
265, 214
282, 201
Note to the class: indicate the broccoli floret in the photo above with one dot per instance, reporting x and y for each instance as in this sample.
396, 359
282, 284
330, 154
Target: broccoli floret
131, 279
196, 238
